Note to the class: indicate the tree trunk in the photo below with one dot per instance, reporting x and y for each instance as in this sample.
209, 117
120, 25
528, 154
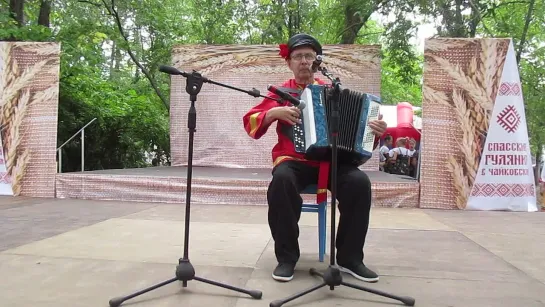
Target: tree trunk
525, 31
139, 52
476, 17
459, 24
352, 24
113, 58
16, 11
453, 19
293, 20
539, 154
45, 11
118, 58
356, 17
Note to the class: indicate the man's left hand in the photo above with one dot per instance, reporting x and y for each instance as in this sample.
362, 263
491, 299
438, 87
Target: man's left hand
378, 126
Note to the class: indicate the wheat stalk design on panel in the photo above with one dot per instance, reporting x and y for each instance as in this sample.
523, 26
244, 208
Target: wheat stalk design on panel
251, 59
472, 101
15, 98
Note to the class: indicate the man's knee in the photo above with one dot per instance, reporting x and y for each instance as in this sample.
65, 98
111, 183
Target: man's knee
359, 181
283, 177
282, 174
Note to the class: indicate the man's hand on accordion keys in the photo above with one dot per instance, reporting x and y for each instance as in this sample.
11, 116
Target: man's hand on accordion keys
289, 115
378, 126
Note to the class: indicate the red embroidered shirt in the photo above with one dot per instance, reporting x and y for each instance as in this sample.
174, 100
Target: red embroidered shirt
253, 123
284, 150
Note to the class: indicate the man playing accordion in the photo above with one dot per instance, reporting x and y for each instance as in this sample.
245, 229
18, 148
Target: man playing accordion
292, 173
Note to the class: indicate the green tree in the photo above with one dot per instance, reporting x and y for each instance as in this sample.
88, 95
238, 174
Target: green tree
111, 51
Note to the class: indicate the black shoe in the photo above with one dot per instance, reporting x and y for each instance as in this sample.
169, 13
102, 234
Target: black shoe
284, 272
360, 271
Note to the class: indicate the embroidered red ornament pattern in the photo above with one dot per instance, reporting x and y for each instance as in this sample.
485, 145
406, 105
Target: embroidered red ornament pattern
284, 51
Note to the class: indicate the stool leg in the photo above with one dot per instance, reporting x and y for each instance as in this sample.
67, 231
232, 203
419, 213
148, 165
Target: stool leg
322, 225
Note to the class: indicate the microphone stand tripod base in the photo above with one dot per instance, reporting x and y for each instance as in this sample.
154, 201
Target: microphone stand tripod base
184, 273
185, 270
332, 278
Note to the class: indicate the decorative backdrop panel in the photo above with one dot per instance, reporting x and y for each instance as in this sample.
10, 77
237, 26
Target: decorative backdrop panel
29, 86
461, 80
220, 139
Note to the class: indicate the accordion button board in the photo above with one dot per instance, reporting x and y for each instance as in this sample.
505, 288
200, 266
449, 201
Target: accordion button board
299, 138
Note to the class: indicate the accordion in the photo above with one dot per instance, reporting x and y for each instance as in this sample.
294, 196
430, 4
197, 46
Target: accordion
355, 138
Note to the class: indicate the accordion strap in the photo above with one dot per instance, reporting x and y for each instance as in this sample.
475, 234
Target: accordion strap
323, 176
323, 173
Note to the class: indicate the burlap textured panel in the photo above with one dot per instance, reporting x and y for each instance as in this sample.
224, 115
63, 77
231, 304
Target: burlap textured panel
461, 79
29, 86
207, 190
220, 139
166, 189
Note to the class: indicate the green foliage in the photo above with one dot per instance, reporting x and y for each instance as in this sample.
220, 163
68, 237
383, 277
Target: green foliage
533, 84
10, 31
397, 86
509, 21
131, 120
400, 52
110, 72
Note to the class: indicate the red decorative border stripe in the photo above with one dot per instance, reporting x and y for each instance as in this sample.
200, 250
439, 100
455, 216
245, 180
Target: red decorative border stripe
503, 189
509, 89
5, 178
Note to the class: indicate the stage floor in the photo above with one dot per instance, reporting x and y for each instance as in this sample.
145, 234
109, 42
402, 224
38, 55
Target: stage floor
82, 253
228, 173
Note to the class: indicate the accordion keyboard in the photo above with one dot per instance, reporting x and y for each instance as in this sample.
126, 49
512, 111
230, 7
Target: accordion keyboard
299, 138
369, 137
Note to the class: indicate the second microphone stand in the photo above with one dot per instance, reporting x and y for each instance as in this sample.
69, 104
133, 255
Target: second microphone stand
332, 275
185, 270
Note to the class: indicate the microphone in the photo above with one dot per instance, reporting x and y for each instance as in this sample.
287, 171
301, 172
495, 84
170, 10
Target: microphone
316, 63
171, 70
296, 102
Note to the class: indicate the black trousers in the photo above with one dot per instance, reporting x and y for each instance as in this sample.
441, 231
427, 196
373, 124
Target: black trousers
285, 202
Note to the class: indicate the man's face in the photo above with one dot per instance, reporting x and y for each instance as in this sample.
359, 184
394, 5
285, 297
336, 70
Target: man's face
300, 62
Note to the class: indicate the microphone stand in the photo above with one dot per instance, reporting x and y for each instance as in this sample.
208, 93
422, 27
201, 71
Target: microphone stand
332, 275
185, 270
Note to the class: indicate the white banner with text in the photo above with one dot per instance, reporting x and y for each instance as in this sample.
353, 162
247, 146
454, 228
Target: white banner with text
505, 178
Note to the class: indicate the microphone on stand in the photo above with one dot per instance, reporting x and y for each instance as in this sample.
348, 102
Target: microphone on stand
171, 70
296, 102
316, 63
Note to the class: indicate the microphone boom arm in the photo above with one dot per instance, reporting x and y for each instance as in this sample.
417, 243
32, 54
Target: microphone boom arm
326, 73
335, 82
197, 76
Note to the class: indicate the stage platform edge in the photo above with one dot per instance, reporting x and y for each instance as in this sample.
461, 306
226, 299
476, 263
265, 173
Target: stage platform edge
211, 185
